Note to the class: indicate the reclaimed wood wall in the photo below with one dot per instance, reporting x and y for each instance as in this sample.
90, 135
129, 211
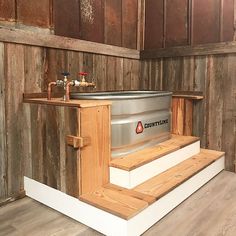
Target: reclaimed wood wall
172, 23
28, 69
214, 117
114, 22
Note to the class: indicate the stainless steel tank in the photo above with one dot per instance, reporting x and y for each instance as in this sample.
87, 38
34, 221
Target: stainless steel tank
138, 118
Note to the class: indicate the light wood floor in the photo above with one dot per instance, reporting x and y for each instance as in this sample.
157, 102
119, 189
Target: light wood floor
209, 212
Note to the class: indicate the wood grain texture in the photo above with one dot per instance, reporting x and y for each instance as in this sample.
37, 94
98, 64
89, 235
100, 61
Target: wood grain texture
53, 41
92, 20
177, 24
95, 158
3, 150
161, 184
113, 22
115, 202
34, 13
7, 10
14, 59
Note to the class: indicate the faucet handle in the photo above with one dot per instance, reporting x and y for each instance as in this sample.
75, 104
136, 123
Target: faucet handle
83, 73
65, 73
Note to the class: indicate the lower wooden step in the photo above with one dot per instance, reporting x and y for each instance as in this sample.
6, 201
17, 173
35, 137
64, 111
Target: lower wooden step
163, 183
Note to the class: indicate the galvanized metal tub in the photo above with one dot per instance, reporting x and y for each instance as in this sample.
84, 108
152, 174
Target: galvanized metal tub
138, 118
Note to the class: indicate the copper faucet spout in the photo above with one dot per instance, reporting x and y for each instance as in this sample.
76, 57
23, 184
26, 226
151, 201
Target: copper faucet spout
50, 89
68, 84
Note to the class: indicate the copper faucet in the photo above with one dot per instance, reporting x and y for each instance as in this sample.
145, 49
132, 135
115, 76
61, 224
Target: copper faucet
67, 84
83, 83
61, 83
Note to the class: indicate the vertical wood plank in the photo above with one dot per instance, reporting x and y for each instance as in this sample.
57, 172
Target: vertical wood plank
144, 78
92, 20
188, 117
88, 67
135, 75
69, 157
38, 143
119, 74
141, 25
7, 10
34, 69
100, 72
127, 72
129, 23
14, 61
176, 23
113, 22
154, 21
35, 13
111, 74
3, 151
215, 103
178, 116
229, 113
95, 157
66, 18
206, 21
227, 20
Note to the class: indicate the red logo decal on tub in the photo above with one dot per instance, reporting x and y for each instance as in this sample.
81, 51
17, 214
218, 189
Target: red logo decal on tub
139, 128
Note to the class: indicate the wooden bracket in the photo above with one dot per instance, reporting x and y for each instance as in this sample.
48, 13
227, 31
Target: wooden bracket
77, 142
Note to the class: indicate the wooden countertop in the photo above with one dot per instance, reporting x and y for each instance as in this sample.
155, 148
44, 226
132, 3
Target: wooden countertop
71, 103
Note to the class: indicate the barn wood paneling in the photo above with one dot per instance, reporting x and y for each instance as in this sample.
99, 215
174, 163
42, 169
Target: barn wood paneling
8, 10
92, 20
36, 13
214, 117
113, 22
183, 22
154, 24
129, 23
177, 23
25, 68
66, 18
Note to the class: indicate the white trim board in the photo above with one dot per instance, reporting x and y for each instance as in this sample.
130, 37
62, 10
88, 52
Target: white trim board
130, 179
112, 225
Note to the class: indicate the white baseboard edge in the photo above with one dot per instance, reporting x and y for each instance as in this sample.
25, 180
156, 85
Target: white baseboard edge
130, 179
109, 224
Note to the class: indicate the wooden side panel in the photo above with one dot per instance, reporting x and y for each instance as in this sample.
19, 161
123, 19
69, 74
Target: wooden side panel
206, 21
227, 31
113, 19
36, 13
92, 20
3, 150
129, 23
154, 22
14, 62
178, 116
95, 157
7, 10
66, 18
176, 23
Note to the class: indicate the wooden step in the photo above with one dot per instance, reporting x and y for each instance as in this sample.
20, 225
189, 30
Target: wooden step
139, 158
163, 183
118, 201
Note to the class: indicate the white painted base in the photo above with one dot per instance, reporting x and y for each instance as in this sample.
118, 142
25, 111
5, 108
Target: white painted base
130, 179
109, 224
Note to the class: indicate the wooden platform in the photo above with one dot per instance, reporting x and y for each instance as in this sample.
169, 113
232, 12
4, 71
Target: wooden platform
128, 203
139, 158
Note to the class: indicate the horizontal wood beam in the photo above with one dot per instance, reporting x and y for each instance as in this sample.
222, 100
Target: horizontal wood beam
53, 41
199, 50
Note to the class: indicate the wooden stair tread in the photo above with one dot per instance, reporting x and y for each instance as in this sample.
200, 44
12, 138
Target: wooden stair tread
142, 157
115, 202
163, 183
